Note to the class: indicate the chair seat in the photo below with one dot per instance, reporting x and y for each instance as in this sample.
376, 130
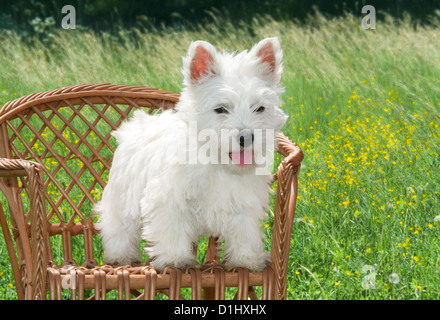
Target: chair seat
207, 281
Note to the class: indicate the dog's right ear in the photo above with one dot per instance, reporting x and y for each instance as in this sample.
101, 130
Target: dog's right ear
199, 62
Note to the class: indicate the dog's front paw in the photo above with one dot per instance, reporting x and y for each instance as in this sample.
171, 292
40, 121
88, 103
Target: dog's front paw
180, 263
123, 261
253, 263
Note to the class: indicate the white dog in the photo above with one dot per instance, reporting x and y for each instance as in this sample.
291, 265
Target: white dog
176, 177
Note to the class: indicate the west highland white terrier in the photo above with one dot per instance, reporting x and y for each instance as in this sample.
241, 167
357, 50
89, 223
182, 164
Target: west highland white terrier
203, 169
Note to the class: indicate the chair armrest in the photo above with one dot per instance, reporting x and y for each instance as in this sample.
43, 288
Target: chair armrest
35, 256
285, 204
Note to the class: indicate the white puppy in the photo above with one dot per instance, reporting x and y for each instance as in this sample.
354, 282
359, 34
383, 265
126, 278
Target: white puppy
204, 170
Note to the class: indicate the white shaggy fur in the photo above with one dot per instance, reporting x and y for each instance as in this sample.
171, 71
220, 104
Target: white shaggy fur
152, 194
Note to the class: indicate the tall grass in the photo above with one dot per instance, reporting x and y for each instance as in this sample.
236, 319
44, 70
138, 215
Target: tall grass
364, 106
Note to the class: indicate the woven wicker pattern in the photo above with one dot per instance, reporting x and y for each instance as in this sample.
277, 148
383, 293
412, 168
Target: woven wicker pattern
55, 154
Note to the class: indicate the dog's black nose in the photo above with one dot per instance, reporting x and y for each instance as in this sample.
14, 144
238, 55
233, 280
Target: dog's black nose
246, 139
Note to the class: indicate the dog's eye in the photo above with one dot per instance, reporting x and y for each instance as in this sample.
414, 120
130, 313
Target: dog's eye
260, 109
220, 110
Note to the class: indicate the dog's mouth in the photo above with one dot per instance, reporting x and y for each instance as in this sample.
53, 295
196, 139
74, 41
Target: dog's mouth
241, 158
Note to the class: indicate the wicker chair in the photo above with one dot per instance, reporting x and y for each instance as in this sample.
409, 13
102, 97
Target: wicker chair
55, 154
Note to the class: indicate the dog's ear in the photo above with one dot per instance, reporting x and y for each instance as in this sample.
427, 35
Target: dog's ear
199, 62
269, 53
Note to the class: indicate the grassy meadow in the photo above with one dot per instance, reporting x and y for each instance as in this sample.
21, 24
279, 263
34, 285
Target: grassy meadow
364, 106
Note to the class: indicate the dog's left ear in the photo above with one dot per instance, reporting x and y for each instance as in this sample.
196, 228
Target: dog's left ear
199, 62
270, 55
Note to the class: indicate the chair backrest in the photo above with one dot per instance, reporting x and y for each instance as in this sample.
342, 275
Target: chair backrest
68, 132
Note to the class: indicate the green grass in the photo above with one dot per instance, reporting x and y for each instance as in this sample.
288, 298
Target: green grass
364, 106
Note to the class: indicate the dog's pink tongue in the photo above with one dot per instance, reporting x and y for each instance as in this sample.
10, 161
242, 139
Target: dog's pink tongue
242, 158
